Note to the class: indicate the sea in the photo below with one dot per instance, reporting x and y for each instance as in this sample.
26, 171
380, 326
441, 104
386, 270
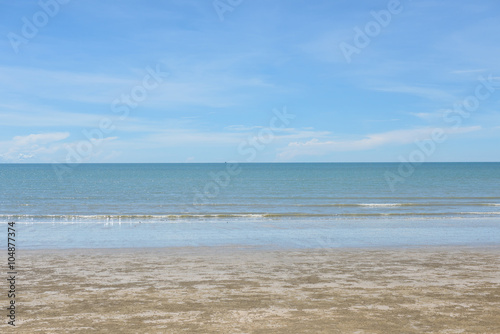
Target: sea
270, 205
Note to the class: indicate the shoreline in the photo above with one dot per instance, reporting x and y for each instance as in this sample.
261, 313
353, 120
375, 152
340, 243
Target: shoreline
243, 289
259, 248
282, 234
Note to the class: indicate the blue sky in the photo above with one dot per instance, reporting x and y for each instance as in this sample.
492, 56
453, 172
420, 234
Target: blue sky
225, 69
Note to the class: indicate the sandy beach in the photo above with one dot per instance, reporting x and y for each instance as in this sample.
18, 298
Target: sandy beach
246, 290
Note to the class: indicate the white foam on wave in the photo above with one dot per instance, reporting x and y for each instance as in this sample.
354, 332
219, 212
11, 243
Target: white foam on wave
380, 204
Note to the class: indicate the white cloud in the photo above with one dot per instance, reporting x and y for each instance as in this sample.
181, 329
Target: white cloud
39, 139
21, 148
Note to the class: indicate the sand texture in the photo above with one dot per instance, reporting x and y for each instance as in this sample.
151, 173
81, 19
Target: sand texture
237, 290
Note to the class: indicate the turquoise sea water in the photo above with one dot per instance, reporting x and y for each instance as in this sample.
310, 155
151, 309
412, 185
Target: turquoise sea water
301, 204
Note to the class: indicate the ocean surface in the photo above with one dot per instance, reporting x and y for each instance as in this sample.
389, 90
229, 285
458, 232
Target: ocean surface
282, 205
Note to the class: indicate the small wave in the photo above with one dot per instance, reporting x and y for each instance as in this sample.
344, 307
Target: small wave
132, 217
381, 204
480, 213
340, 205
226, 216
375, 198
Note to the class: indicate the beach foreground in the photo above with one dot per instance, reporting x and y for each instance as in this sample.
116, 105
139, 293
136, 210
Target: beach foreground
245, 290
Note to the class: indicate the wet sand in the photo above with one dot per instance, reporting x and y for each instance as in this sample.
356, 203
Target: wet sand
244, 290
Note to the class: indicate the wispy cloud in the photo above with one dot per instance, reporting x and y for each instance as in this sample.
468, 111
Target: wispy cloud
316, 147
432, 117
326, 46
230, 138
468, 71
422, 91
75, 86
35, 116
